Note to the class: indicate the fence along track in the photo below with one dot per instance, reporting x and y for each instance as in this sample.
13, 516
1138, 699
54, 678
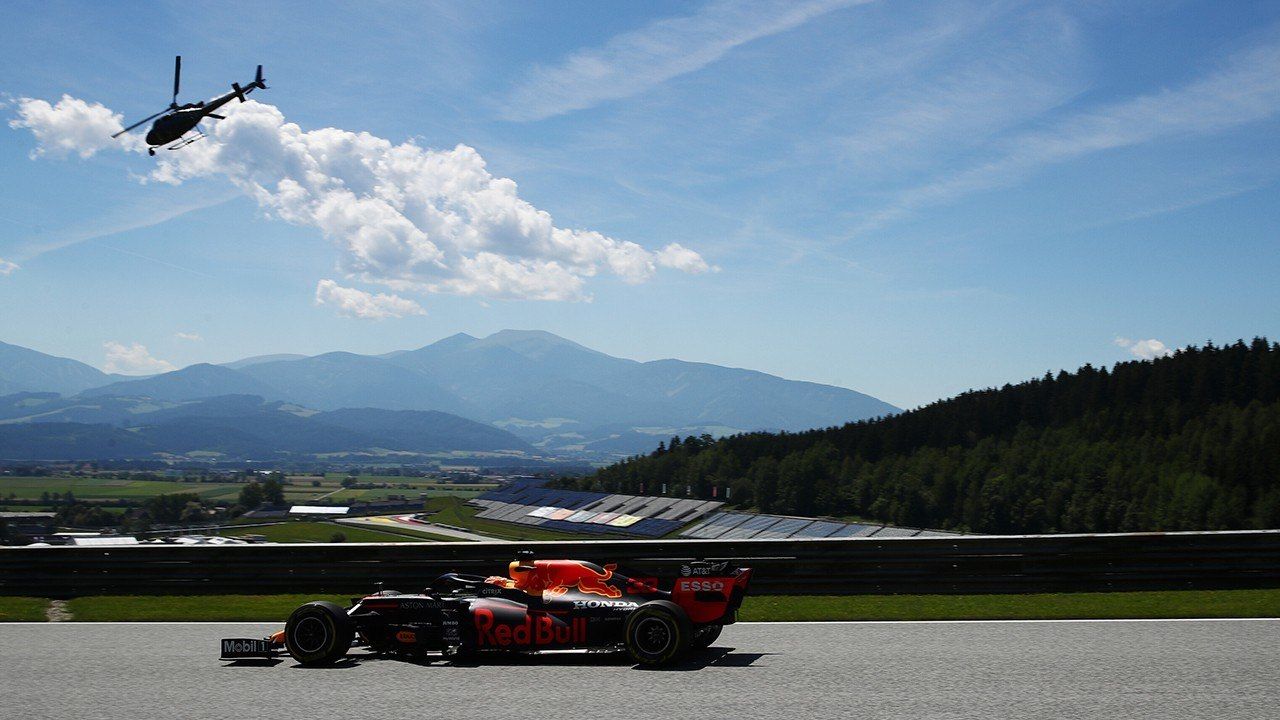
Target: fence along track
934, 565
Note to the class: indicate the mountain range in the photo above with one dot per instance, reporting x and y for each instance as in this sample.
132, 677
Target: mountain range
46, 426
547, 391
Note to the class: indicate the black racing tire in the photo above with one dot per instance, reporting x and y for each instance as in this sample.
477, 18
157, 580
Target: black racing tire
318, 633
704, 636
658, 633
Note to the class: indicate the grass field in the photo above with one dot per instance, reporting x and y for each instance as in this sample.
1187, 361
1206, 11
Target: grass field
1055, 606
1179, 603
454, 511
321, 532
179, 608
413, 493
22, 609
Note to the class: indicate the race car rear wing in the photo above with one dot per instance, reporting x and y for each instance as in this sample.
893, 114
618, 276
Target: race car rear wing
711, 593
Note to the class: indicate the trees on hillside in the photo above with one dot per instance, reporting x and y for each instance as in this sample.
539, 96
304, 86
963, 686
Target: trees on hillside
1190, 441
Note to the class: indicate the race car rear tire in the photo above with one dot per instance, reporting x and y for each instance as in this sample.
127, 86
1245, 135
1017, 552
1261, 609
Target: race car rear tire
704, 636
658, 633
318, 633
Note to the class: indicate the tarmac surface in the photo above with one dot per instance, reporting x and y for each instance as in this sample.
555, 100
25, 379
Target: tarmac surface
396, 522
1127, 669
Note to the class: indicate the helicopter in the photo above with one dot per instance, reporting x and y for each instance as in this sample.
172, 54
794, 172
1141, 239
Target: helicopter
177, 120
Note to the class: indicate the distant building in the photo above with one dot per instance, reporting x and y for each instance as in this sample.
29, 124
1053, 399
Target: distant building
96, 540
26, 526
326, 510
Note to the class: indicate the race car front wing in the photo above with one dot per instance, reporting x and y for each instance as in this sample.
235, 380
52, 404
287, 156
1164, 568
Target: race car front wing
250, 648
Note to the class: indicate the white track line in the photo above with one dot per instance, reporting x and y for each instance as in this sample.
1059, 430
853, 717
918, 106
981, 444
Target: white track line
779, 622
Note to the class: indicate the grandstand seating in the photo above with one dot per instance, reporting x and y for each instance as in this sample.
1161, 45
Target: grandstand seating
739, 526
590, 513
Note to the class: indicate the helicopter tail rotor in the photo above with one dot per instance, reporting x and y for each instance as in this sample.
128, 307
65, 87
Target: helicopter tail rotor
258, 82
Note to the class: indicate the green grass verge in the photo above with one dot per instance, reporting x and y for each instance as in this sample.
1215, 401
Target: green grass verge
454, 511
186, 608
22, 609
1178, 603
1049, 606
321, 532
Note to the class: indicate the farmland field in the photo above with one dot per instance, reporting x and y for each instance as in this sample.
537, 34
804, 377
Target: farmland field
297, 489
89, 488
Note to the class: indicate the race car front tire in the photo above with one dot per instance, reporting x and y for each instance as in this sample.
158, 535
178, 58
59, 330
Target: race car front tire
658, 633
318, 633
704, 636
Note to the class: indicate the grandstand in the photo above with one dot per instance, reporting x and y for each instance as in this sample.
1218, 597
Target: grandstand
591, 513
740, 526
594, 513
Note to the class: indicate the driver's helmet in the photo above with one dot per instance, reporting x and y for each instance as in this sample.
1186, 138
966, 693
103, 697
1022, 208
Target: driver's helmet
522, 574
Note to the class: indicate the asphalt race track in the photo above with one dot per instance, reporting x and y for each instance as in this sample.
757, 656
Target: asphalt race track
1154, 669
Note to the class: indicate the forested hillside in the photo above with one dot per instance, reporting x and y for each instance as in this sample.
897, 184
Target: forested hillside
1190, 441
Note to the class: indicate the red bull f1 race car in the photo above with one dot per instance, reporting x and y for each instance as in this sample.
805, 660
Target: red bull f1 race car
539, 605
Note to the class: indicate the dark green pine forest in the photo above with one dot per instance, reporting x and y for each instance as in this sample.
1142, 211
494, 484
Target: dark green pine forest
1185, 442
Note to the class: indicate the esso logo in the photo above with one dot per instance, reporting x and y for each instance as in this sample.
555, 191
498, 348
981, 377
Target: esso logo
696, 585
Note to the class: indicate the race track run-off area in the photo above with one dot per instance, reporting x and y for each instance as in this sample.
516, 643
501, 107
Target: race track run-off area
1087, 669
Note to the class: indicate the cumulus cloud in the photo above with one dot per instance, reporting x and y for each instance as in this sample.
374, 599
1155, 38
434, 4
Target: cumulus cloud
406, 217
189, 336
7, 267
1145, 349
355, 303
72, 126
133, 359
678, 257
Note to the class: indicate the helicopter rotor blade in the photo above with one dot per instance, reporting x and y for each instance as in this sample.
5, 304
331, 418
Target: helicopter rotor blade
177, 74
140, 122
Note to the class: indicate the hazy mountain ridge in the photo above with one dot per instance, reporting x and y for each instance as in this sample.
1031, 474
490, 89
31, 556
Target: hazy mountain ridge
549, 391
25, 370
48, 427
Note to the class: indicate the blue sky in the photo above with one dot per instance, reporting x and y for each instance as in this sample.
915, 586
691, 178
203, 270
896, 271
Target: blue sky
910, 199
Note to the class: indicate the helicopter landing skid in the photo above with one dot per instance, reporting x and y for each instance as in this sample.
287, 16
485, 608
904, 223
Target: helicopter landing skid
184, 142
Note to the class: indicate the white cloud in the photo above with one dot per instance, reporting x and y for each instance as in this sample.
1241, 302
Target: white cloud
7, 267
406, 217
132, 359
72, 125
354, 303
636, 61
189, 337
1246, 88
682, 258
1145, 349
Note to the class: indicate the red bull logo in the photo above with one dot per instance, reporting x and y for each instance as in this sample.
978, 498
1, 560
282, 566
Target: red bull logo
534, 630
585, 579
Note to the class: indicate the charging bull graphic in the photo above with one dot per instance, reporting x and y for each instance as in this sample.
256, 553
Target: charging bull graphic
585, 578
553, 578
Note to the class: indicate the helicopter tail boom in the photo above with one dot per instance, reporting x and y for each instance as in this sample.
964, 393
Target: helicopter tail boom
240, 92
